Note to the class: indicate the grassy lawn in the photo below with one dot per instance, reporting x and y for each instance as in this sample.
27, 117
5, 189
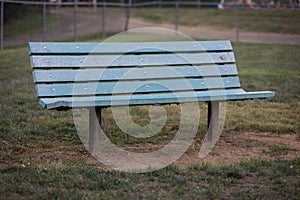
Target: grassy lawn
254, 179
270, 21
43, 158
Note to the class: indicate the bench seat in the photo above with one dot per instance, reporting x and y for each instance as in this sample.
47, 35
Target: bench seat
152, 99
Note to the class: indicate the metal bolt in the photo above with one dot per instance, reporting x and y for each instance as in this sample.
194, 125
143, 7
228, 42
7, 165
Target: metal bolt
223, 57
50, 75
44, 47
228, 82
147, 86
83, 74
52, 89
77, 47
194, 46
142, 60
145, 73
80, 61
226, 69
85, 88
202, 83
48, 61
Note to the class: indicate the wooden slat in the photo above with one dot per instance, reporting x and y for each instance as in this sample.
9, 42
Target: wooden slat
143, 99
143, 69
127, 87
130, 60
125, 47
109, 74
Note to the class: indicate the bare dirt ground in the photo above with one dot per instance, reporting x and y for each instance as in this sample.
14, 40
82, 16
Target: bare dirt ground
231, 148
201, 32
236, 146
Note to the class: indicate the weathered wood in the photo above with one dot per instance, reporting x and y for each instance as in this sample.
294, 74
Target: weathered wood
71, 48
95, 61
144, 73
150, 99
130, 87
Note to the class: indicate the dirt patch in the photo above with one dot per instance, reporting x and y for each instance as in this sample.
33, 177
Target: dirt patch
236, 146
231, 148
55, 153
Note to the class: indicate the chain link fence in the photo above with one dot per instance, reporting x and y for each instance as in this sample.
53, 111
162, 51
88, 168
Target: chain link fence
75, 20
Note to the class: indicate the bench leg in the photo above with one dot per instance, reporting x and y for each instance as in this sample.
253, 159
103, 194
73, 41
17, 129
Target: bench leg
213, 120
94, 128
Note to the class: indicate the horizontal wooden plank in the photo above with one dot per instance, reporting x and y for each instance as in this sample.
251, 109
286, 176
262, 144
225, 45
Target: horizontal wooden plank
130, 60
128, 87
112, 74
125, 47
143, 99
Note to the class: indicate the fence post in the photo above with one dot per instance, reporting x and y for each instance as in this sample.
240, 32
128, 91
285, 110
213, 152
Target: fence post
95, 5
177, 16
103, 20
199, 4
75, 20
238, 22
2, 24
44, 21
295, 4
128, 15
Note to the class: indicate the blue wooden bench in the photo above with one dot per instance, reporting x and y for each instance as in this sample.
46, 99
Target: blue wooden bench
87, 75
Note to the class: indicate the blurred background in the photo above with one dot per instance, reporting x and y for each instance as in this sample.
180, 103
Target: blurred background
75, 20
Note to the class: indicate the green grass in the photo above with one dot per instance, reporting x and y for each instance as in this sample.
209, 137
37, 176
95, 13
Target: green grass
43, 158
252, 179
271, 21
270, 67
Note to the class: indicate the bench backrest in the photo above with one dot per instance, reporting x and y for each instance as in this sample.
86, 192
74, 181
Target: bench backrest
63, 70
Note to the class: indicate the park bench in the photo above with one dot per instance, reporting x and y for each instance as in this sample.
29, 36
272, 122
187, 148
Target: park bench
99, 75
